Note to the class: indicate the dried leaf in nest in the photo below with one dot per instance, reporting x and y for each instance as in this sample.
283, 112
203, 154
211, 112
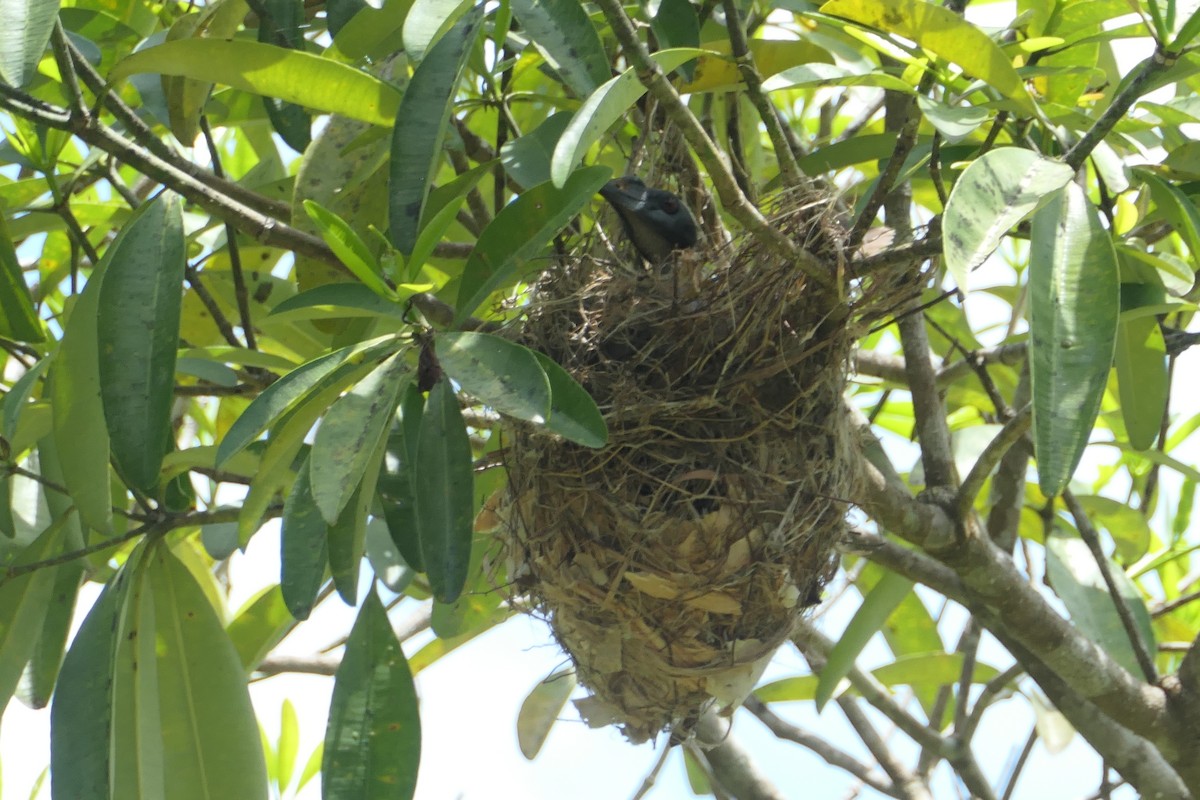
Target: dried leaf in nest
672, 563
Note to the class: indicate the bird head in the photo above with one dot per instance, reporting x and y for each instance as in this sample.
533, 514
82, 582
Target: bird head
656, 221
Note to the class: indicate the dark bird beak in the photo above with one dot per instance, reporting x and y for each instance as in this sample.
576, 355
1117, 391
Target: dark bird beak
656, 221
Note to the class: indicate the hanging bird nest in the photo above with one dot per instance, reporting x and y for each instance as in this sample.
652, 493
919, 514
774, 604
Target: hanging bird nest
672, 563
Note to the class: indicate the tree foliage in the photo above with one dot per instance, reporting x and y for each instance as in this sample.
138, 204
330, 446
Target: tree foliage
258, 259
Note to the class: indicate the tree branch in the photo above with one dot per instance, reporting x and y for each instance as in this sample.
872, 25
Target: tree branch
990, 458
740, 50
827, 752
1160, 61
1091, 537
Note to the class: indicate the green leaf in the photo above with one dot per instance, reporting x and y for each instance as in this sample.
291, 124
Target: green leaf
369, 29
443, 487
209, 731
998, 190
944, 33
871, 615
676, 25
18, 320
350, 433
17, 397
527, 158
574, 415
286, 393
23, 37
520, 231
23, 606
1142, 379
137, 764
303, 78
348, 246
717, 70
420, 128
281, 26
1128, 527
373, 737
303, 548
348, 535
603, 108
954, 123
427, 21
500, 373
1176, 206
1074, 307
260, 625
541, 710
431, 652
342, 300
46, 661
385, 559
289, 743
924, 670
563, 32
79, 426
815, 75
137, 337
81, 714
1076, 579
395, 479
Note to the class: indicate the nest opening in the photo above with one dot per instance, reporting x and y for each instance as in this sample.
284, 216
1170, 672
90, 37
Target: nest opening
674, 561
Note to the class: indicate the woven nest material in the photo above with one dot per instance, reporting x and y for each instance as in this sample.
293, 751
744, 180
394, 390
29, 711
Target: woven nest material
673, 562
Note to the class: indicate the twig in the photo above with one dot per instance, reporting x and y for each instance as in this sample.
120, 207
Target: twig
1178, 602
148, 139
1159, 61
1091, 537
990, 458
818, 745
929, 410
991, 691
210, 304
1010, 784
66, 68
740, 49
906, 139
815, 646
652, 775
235, 253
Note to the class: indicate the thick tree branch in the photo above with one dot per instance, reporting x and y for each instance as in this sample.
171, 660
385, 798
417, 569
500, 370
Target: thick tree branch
731, 763
994, 589
1132, 755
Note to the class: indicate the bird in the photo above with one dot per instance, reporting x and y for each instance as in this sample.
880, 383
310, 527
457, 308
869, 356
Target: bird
655, 220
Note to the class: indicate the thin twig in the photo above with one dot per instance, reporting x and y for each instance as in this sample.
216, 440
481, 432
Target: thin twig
1010, 784
818, 745
990, 458
210, 304
991, 690
235, 253
1091, 537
